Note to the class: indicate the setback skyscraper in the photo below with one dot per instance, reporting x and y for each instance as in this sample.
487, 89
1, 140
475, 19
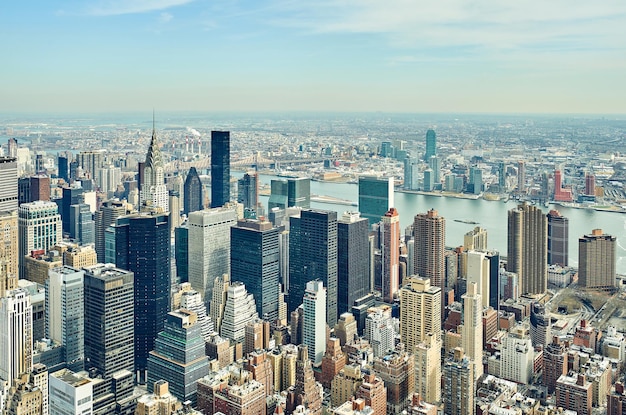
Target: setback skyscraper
376, 197
8, 252
153, 189
193, 194
41, 219
220, 168
353, 279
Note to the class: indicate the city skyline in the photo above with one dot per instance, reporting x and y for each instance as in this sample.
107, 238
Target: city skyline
561, 57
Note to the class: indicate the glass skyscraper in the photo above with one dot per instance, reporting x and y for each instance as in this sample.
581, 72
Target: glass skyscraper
220, 168
353, 274
193, 195
431, 145
290, 192
375, 197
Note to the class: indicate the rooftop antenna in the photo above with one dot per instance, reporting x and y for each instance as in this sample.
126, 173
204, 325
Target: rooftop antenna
153, 129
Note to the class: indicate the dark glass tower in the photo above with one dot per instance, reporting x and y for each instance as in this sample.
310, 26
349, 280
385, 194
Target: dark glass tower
313, 255
558, 233
64, 168
181, 243
220, 168
299, 192
431, 144
82, 225
494, 279
71, 196
248, 191
109, 341
254, 260
193, 192
376, 197
142, 245
353, 274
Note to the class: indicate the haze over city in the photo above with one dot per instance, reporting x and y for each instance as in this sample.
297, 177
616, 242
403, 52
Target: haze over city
111, 55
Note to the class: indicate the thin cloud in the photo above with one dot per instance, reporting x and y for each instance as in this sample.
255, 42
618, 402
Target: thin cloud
120, 7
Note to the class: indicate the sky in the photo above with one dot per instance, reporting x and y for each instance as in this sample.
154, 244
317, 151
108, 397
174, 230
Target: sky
467, 56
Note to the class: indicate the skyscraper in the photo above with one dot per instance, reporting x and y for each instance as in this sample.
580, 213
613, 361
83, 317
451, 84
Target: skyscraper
105, 216
502, 176
39, 225
8, 252
420, 305
8, 184
239, 310
596, 262
82, 227
64, 167
248, 192
220, 168
16, 334
527, 248
558, 234
109, 291
72, 195
295, 191
178, 356
472, 332
153, 189
209, 247
312, 256
193, 194
431, 145
590, 184
314, 330
353, 280
390, 254
476, 239
459, 384
429, 232
91, 162
376, 197
478, 272
65, 317
254, 260
521, 177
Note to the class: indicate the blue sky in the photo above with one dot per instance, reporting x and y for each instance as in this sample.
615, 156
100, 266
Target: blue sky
557, 56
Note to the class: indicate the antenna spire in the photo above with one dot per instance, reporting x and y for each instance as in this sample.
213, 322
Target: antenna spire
153, 128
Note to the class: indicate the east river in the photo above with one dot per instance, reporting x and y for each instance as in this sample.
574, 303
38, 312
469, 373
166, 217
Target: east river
491, 215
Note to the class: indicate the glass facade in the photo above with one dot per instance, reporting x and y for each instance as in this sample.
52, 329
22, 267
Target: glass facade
193, 194
375, 197
353, 277
220, 168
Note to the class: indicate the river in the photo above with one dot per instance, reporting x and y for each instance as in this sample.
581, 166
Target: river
491, 215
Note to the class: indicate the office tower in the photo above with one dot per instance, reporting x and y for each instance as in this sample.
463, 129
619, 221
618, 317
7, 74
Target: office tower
305, 391
181, 253
561, 194
518, 356
104, 217
527, 248
472, 332
248, 191
429, 232
64, 167
434, 163
23, 190
475, 240
478, 272
254, 260
239, 310
333, 361
459, 384
590, 184
575, 393
161, 401
71, 196
193, 195
278, 195
346, 329
596, 260
82, 226
65, 317
494, 279
376, 197
218, 300
540, 323
178, 356
345, 384
8, 252
312, 256
109, 291
16, 335
91, 162
429, 181
420, 305
554, 363
502, 176
142, 246
39, 227
209, 247
476, 180
379, 330
390, 253
39, 187
431, 145
290, 193
174, 203
8, 184
314, 329
521, 177
397, 371
70, 393
386, 149
374, 393
192, 300
220, 168
108, 178
153, 189
353, 280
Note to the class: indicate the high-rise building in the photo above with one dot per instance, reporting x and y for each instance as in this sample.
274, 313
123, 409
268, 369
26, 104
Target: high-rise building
353, 280
8, 184
220, 168
181, 254
379, 330
596, 262
345, 384
64, 167
376, 197
248, 192
472, 331
397, 370
142, 246
312, 256
209, 247
239, 310
494, 279
218, 300
65, 317
178, 356
475, 184
334, 361
561, 194
91, 162
431, 145
295, 191
82, 225
192, 300
434, 163
478, 272
390, 254
429, 232
153, 189
540, 323
305, 391
521, 177
16, 335
527, 248
39, 187
254, 260
475, 240
72, 195
459, 384
517, 356
108, 178
575, 393
374, 393
314, 328
8, 252
193, 195
109, 291
502, 176
104, 217
70, 393
554, 363
39, 227
558, 234
616, 403
590, 184
420, 305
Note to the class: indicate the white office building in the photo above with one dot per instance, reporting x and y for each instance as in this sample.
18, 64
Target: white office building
314, 324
